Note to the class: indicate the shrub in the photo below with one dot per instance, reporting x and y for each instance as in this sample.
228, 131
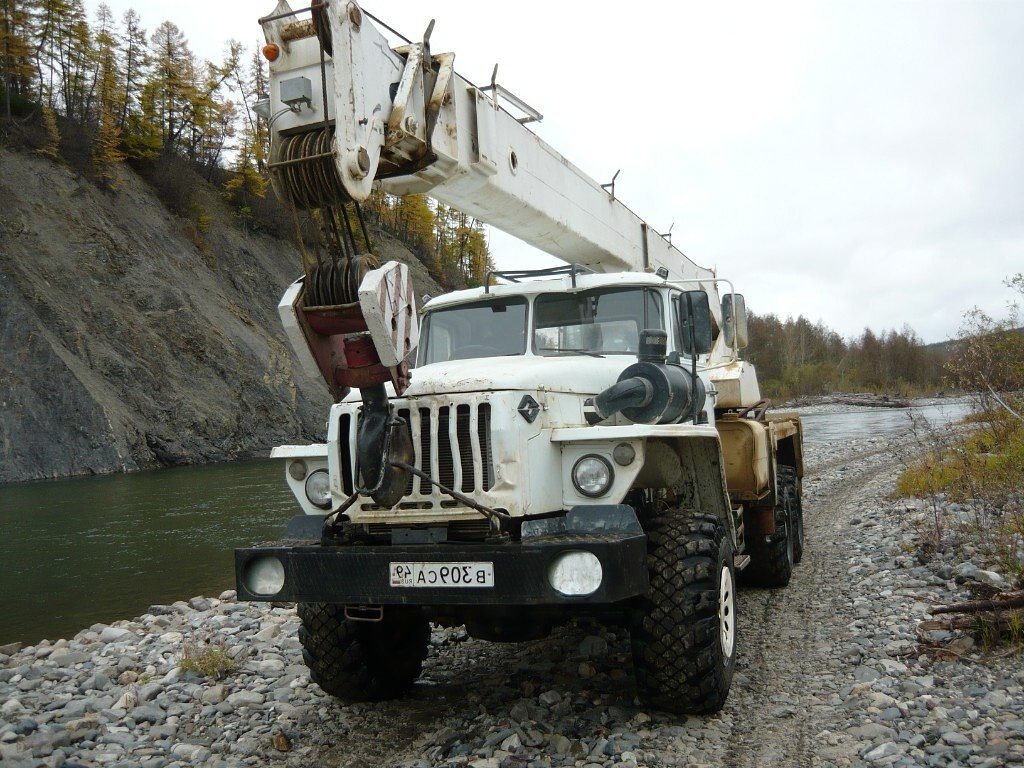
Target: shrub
208, 658
981, 465
174, 181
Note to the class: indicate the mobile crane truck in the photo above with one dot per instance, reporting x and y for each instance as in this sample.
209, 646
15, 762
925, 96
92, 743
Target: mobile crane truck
579, 440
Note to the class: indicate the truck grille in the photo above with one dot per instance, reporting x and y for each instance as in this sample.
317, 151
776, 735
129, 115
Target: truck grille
452, 444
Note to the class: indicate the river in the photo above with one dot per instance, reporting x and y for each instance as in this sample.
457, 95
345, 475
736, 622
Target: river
77, 552
865, 422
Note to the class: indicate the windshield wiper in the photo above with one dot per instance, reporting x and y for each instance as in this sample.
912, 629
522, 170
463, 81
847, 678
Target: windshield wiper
572, 351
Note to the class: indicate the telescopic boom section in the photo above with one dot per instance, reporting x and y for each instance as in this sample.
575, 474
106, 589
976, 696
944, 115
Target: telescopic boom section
404, 117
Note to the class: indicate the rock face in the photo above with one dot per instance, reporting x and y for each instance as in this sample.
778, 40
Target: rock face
126, 342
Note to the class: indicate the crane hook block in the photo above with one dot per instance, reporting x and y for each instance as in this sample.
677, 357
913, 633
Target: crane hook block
359, 344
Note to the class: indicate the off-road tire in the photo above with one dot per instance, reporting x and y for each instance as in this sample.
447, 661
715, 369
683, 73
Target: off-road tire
799, 532
772, 561
360, 660
683, 657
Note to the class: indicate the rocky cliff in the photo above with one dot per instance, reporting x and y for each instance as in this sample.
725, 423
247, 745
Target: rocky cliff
128, 340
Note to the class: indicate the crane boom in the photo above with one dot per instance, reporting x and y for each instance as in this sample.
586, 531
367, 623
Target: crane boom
406, 118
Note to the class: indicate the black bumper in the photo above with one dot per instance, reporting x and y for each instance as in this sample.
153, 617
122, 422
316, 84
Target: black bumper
360, 575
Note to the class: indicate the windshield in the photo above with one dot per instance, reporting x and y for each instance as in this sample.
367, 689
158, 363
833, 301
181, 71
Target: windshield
605, 321
491, 328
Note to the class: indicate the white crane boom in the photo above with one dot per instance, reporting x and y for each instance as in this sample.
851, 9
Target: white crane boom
404, 117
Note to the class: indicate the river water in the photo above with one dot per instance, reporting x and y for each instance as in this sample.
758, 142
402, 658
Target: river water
865, 422
76, 552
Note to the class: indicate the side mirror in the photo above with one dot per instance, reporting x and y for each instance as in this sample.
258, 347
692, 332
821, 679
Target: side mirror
693, 323
734, 321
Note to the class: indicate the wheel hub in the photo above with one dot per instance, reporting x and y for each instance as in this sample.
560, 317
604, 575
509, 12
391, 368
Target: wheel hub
727, 611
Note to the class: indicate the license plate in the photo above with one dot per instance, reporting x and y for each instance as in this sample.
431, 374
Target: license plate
442, 575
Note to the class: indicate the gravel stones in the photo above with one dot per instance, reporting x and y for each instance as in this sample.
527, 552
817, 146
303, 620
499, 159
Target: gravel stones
593, 646
68, 658
246, 699
115, 635
213, 694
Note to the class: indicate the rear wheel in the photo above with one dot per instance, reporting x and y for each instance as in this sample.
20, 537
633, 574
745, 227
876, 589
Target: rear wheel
684, 642
361, 660
772, 558
798, 512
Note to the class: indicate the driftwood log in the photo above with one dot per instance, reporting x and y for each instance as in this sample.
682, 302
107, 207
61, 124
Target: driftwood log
1000, 612
872, 402
1004, 601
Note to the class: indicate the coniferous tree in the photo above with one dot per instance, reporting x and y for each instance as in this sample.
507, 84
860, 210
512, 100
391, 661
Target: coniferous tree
106, 149
133, 61
250, 84
15, 52
212, 115
248, 180
51, 145
167, 90
46, 23
76, 63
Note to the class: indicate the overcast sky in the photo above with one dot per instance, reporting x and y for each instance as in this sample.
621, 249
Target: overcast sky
860, 163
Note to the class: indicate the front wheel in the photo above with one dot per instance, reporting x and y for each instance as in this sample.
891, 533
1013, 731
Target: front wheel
684, 643
360, 660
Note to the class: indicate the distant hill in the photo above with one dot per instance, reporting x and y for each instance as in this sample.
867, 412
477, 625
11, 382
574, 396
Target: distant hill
948, 347
943, 348
128, 339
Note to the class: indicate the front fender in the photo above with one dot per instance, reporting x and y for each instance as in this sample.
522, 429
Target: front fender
309, 458
686, 458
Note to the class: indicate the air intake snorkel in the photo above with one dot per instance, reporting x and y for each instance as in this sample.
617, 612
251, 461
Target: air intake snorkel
651, 390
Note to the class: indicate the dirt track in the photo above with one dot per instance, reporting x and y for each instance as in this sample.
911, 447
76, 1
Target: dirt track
789, 668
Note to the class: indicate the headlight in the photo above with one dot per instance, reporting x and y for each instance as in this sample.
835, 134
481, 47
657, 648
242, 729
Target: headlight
576, 573
318, 488
592, 475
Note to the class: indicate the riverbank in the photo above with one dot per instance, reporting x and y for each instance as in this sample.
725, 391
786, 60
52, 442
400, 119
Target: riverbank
840, 402
830, 674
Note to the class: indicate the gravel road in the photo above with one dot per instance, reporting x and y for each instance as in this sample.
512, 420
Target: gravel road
829, 674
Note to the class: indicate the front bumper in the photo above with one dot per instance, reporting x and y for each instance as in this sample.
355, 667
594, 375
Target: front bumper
360, 575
